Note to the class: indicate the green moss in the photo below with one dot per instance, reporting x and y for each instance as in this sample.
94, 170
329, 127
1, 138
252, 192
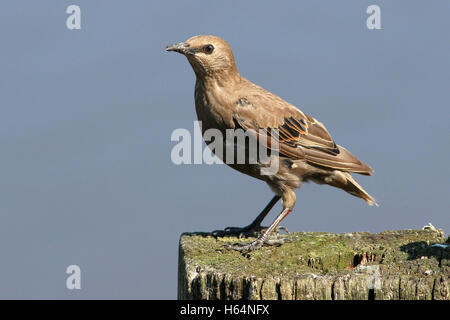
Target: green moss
307, 252
404, 264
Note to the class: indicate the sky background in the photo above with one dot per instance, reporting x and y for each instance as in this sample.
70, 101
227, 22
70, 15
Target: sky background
86, 118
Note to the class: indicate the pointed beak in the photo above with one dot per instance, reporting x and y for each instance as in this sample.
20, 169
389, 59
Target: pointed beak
181, 47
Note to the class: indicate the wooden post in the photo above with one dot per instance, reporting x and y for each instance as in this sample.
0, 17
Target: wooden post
406, 264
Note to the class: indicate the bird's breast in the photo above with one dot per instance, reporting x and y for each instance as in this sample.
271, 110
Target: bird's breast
212, 110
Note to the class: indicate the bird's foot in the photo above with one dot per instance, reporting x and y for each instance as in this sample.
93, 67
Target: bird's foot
249, 231
256, 244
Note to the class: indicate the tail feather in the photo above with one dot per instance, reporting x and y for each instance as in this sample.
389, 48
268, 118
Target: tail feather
345, 181
344, 161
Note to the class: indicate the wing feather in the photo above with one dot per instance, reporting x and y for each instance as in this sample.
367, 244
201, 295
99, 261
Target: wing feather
300, 136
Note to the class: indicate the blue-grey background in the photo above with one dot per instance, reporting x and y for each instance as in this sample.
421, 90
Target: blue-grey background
86, 118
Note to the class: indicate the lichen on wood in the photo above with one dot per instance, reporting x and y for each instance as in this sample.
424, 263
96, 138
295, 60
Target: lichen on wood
405, 264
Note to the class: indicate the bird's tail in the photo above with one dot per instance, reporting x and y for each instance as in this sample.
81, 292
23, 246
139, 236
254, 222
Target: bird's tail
354, 188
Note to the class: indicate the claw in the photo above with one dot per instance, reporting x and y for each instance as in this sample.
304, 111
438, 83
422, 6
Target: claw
255, 226
256, 244
245, 232
277, 242
241, 247
284, 229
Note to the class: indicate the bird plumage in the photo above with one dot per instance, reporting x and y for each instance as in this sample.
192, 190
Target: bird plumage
226, 100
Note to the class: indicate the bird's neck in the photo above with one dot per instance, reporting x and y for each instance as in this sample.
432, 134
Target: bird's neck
225, 78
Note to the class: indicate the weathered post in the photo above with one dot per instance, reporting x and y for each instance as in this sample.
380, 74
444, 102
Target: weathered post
406, 264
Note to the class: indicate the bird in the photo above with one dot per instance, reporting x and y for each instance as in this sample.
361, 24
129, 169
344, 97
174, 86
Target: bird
225, 100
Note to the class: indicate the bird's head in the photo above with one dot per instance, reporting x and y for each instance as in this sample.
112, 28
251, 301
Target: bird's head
208, 55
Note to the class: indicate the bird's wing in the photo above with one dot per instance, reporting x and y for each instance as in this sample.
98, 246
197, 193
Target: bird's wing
299, 135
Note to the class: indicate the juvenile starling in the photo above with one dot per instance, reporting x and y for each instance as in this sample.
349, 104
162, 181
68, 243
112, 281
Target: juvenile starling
226, 100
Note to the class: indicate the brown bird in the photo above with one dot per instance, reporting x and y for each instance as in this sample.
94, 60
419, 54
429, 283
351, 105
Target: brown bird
226, 100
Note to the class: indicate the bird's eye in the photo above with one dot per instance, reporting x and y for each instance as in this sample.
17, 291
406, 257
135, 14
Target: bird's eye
208, 48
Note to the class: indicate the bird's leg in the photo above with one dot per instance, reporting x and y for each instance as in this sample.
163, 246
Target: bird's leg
263, 239
254, 228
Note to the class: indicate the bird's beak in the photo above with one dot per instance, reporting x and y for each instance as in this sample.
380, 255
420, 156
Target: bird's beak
181, 47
